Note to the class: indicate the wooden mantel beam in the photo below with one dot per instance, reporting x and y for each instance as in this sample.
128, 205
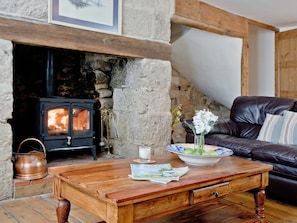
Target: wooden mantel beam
49, 35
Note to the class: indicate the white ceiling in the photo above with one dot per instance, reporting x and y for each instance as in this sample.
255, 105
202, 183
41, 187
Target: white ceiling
278, 13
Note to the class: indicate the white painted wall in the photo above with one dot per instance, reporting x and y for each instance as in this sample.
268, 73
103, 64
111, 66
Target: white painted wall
261, 62
211, 62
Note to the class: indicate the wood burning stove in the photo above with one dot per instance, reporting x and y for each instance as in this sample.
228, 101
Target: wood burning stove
60, 123
40, 111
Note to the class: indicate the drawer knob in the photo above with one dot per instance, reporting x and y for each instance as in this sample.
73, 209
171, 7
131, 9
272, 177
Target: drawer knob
216, 194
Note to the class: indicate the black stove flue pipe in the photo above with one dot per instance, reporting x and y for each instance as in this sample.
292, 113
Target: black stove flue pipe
50, 79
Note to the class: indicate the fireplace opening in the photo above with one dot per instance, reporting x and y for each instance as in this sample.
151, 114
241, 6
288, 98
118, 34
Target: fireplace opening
54, 101
60, 123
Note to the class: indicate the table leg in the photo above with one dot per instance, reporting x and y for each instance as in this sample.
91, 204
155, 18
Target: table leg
260, 197
62, 210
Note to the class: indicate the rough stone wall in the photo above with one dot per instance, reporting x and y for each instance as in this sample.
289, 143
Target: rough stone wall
104, 68
6, 98
148, 19
25, 9
142, 107
184, 93
137, 92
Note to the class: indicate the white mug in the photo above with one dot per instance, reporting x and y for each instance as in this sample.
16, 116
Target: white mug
145, 153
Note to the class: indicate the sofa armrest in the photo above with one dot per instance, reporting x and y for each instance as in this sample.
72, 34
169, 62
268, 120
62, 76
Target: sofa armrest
227, 127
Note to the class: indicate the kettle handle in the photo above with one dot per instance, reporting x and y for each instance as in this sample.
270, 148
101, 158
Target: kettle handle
32, 139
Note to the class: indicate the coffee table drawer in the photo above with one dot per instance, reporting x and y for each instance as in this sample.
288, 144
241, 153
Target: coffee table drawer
207, 193
219, 190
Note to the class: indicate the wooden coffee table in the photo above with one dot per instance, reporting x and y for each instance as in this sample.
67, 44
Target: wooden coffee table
104, 188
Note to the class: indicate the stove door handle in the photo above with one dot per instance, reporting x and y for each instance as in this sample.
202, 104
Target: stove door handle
69, 140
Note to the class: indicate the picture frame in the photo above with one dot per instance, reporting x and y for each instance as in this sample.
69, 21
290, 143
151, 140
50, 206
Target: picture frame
95, 15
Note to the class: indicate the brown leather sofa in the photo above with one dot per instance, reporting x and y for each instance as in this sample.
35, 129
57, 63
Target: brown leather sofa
240, 133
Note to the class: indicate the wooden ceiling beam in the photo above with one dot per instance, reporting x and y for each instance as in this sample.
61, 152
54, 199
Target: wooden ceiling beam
210, 18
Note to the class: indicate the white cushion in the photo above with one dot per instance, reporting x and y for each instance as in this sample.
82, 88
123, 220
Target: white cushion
271, 128
289, 129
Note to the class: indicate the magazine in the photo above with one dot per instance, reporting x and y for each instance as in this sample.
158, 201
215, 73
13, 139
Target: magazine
160, 173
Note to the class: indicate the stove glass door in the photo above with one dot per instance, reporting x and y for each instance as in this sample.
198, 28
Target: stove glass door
58, 121
81, 121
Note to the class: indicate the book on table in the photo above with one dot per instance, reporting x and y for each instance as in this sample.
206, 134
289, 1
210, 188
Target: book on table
161, 173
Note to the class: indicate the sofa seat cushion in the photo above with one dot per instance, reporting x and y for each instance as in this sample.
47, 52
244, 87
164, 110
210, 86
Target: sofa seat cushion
276, 153
282, 170
239, 146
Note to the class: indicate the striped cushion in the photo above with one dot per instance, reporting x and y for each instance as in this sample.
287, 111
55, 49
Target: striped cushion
271, 128
289, 129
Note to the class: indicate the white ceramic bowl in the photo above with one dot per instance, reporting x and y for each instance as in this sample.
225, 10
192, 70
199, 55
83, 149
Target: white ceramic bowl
202, 160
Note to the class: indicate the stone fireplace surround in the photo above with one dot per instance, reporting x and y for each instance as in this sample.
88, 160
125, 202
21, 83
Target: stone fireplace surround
135, 91
141, 105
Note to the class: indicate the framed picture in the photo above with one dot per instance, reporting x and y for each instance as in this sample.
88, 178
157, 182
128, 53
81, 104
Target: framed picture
96, 15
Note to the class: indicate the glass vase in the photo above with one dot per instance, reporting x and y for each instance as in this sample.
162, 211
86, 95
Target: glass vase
199, 144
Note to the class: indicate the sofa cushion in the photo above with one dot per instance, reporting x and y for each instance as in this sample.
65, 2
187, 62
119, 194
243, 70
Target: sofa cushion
250, 111
239, 146
250, 131
276, 153
288, 134
271, 128
226, 127
253, 109
281, 170
284, 171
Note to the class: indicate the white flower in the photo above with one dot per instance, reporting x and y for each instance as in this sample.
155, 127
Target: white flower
204, 121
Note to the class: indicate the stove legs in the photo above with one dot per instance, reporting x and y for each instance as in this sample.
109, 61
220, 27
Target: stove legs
93, 149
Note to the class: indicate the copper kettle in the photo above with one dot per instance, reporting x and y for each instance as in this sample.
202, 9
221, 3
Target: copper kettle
31, 165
